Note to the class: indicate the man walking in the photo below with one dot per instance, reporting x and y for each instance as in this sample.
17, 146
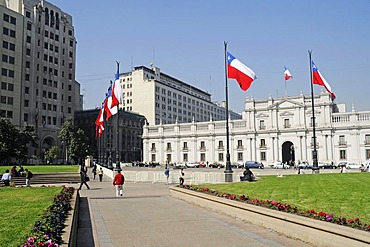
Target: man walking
118, 182
167, 174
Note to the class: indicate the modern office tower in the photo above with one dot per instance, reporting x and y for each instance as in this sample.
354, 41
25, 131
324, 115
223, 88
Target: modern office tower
164, 99
38, 63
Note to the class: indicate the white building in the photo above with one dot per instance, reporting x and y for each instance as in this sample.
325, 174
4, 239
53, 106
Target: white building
164, 99
271, 130
38, 86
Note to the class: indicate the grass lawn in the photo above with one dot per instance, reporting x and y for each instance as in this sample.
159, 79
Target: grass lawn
345, 194
45, 168
20, 208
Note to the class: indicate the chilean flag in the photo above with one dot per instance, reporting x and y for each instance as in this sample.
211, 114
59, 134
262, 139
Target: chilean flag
109, 109
318, 79
236, 70
117, 94
287, 74
99, 122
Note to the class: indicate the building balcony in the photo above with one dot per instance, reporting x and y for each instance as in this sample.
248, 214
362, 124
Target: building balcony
169, 149
287, 126
317, 145
202, 149
240, 147
185, 149
342, 143
220, 147
153, 150
262, 127
263, 146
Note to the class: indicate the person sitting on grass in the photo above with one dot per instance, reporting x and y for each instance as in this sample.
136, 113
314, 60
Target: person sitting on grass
248, 175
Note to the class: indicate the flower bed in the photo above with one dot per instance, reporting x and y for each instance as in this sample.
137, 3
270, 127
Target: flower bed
48, 230
354, 223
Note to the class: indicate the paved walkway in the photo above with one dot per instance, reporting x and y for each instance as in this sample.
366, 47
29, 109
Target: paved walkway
147, 216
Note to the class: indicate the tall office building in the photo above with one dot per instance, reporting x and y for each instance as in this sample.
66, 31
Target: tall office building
38, 84
164, 99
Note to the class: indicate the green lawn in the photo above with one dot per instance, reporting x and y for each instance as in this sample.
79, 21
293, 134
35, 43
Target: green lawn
45, 168
346, 194
20, 208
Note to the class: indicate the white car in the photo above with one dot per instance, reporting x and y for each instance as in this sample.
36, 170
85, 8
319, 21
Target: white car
192, 165
281, 166
349, 165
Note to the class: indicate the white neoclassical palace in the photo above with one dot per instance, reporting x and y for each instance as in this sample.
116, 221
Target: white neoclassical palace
273, 129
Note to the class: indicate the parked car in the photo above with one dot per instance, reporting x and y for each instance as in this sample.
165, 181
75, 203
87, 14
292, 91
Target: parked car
216, 165
237, 165
253, 164
192, 165
304, 165
202, 164
326, 166
349, 165
281, 166
180, 165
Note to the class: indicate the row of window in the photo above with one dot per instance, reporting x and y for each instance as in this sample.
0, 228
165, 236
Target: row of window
10, 19
8, 45
8, 32
6, 114
8, 59
6, 100
7, 72
7, 86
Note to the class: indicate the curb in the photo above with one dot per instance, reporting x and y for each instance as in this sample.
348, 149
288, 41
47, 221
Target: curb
69, 236
317, 232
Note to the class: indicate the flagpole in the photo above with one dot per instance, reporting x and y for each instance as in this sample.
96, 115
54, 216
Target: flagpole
315, 168
286, 94
228, 171
118, 164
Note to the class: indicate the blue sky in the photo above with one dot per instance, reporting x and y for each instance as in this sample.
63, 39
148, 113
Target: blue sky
185, 40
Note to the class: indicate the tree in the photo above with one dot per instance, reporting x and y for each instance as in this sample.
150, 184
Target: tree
14, 142
75, 140
52, 154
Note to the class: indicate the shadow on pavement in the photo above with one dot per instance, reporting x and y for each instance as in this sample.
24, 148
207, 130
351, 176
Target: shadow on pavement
85, 231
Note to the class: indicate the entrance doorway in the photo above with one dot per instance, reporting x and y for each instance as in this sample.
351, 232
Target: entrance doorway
288, 152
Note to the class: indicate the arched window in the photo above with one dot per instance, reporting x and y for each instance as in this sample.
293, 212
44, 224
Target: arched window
46, 16
57, 21
52, 21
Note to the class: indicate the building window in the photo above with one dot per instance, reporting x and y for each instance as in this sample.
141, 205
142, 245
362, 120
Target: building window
368, 154
240, 144
286, 123
185, 147
168, 146
168, 158
262, 143
342, 140
153, 157
263, 156
262, 125
202, 145
367, 139
342, 154
240, 156
185, 157
220, 157
220, 144
202, 157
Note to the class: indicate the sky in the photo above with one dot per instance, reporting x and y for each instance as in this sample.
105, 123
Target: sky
185, 39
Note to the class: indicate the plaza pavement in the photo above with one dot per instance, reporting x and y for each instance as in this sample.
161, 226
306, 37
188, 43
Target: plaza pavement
147, 216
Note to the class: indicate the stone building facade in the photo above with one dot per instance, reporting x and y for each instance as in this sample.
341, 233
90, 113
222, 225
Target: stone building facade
272, 129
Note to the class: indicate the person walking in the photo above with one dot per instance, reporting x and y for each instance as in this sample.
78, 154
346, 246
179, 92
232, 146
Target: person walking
29, 175
100, 173
94, 171
118, 182
181, 176
6, 178
84, 178
167, 174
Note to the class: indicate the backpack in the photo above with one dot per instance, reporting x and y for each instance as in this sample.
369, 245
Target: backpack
30, 174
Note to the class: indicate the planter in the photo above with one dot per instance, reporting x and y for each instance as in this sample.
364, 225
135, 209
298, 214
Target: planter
317, 232
69, 236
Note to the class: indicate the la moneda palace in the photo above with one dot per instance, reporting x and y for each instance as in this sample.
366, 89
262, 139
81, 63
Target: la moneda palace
272, 129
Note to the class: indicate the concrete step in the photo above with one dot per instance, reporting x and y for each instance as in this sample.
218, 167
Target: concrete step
49, 178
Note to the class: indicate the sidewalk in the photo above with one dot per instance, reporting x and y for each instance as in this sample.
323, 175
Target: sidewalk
147, 216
